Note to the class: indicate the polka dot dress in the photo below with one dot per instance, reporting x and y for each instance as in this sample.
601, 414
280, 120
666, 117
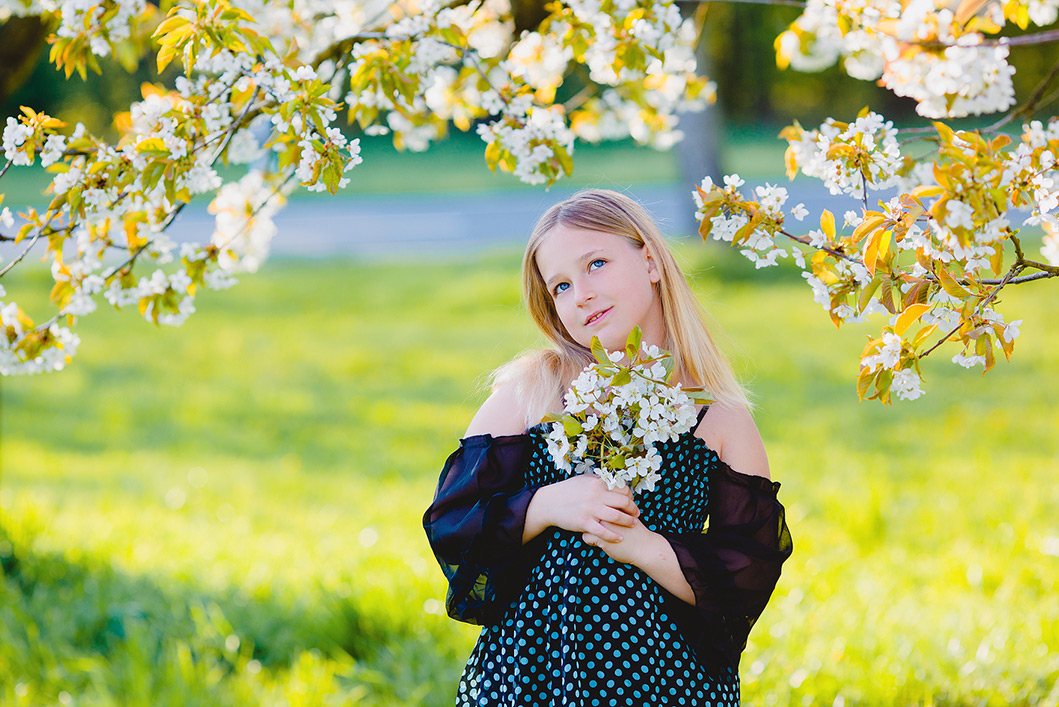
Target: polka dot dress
587, 630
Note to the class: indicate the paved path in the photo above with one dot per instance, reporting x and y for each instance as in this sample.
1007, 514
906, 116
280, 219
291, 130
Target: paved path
439, 225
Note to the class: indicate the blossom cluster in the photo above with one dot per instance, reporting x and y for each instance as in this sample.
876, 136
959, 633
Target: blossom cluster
614, 415
49, 348
261, 85
929, 50
454, 64
848, 157
88, 30
643, 54
533, 141
929, 260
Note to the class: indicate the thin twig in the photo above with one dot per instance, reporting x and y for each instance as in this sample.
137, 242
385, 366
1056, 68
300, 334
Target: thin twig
257, 209
832, 251
228, 134
24, 253
1036, 101
1015, 267
1030, 105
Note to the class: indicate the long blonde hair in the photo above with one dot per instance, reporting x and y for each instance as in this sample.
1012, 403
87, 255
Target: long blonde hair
541, 377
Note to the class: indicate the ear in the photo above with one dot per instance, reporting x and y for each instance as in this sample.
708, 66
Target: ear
653, 271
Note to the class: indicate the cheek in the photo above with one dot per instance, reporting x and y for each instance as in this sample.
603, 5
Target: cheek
566, 313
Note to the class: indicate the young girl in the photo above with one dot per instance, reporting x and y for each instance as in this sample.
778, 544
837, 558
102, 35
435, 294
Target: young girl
589, 596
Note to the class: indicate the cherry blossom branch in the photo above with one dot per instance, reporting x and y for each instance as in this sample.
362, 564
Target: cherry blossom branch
228, 134
1035, 101
1015, 267
24, 253
804, 241
257, 209
1025, 39
1011, 278
790, 3
344, 46
1047, 271
1030, 105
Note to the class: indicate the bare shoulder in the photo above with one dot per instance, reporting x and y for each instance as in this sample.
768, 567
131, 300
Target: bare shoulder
501, 414
730, 431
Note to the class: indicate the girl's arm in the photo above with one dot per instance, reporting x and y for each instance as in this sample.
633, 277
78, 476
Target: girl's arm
653, 554
734, 436
581, 504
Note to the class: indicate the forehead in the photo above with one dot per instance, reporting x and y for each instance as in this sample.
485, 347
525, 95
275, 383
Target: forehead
565, 247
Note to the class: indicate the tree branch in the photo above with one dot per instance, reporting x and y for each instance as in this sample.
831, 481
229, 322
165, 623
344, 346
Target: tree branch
1015, 267
24, 253
791, 3
1030, 105
1036, 100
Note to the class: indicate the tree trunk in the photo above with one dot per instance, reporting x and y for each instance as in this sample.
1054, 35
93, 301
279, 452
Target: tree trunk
699, 153
21, 39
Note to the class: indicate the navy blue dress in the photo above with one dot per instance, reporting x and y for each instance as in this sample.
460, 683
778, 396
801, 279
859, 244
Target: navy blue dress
564, 624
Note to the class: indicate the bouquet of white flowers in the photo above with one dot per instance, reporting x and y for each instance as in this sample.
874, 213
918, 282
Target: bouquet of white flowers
615, 412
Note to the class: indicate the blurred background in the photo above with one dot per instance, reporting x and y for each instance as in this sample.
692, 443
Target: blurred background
228, 513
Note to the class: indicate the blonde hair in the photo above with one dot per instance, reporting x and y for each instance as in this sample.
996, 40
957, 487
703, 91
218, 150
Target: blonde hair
541, 377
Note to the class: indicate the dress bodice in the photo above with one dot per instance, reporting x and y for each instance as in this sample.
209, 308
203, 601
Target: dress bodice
678, 502
563, 622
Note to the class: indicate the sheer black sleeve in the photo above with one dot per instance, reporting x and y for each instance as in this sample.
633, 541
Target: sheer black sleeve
734, 565
475, 525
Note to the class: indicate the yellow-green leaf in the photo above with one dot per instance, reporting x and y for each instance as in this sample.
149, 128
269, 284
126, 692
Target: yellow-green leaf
827, 224
909, 316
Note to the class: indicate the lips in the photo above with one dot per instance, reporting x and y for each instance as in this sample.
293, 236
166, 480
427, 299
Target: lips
596, 316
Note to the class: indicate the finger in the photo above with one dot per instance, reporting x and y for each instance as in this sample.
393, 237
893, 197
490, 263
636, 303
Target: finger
616, 517
623, 503
590, 539
606, 534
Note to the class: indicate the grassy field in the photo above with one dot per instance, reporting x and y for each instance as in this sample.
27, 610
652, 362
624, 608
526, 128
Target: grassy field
229, 513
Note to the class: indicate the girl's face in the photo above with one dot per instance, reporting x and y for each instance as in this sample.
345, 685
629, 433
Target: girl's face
601, 285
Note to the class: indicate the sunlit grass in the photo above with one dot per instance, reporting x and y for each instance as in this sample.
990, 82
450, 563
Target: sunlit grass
229, 513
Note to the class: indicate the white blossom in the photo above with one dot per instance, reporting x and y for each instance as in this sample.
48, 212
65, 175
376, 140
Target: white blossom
906, 384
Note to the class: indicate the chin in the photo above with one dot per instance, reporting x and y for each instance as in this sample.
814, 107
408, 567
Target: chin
610, 341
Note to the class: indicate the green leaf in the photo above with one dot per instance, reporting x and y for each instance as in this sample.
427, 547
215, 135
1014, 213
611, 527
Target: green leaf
698, 395
623, 377
599, 352
632, 344
565, 161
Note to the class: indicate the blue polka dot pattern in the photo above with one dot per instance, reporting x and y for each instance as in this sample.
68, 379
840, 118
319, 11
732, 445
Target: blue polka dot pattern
587, 630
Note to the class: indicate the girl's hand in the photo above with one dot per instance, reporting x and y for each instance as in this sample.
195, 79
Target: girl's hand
634, 549
582, 504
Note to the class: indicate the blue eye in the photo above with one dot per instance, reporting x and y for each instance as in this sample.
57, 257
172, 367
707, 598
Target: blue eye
593, 266
560, 288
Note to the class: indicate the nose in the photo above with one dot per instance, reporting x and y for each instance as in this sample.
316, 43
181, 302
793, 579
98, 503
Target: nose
583, 294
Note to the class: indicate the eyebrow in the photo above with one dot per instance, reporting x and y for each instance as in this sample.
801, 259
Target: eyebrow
583, 258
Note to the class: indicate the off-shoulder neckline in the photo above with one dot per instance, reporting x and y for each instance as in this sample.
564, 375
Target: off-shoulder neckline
540, 426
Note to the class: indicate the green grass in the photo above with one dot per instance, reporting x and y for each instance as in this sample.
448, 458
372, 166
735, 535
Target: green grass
229, 513
751, 153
